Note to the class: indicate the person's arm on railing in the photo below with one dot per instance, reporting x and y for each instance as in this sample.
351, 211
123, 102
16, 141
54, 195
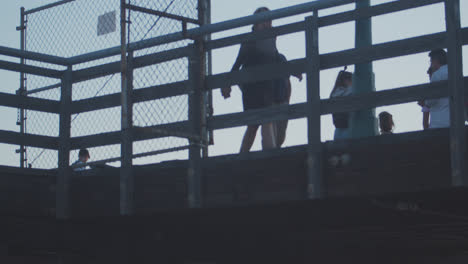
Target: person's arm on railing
240, 60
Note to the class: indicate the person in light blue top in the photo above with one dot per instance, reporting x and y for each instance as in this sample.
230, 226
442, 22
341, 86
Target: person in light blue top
80, 164
439, 109
342, 87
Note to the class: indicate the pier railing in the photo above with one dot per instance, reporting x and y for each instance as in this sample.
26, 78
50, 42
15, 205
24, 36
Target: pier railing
199, 83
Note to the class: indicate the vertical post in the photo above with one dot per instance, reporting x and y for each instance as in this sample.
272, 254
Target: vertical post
126, 149
22, 88
196, 105
314, 161
63, 183
204, 16
457, 99
363, 122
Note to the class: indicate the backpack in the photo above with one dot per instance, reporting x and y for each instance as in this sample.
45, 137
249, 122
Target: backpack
281, 86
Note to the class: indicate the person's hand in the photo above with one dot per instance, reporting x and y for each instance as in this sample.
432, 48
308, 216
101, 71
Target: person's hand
226, 92
421, 103
298, 76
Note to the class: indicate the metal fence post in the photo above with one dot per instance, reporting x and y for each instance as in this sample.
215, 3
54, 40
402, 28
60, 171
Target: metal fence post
22, 89
196, 115
204, 16
126, 149
457, 99
314, 153
63, 184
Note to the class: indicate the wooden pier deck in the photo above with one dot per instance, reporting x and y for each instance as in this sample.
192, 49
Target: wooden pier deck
392, 202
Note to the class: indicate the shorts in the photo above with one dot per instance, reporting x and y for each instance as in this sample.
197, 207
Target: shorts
257, 95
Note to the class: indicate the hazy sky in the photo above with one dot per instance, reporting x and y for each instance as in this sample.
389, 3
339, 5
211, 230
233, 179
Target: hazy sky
392, 73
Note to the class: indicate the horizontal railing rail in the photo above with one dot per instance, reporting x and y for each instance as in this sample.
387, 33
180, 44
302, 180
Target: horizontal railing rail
327, 61
37, 141
35, 70
29, 55
295, 111
138, 96
333, 105
31, 103
231, 24
213, 28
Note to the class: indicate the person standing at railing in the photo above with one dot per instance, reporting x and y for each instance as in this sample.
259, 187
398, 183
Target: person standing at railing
256, 95
343, 84
83, 157
439, 110
425, 109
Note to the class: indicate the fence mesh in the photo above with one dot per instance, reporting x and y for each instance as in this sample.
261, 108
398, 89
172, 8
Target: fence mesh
83, 26
167, 110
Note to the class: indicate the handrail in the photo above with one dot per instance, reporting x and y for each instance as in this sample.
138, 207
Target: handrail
36, 56
30, 103
252, 19
37, 141
329, 60
40, 71
322, 22
328, 106
438, 41
213, 28
34, 10
234, 23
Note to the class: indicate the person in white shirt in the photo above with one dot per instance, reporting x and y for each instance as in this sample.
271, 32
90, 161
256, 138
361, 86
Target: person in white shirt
342, 87
439, 110
80, 164
425, 109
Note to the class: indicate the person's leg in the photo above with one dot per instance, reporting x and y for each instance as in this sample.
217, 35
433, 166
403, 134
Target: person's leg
279, 128
268, 136
280, 132
249, 138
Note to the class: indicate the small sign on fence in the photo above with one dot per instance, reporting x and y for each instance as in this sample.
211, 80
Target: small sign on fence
106, 23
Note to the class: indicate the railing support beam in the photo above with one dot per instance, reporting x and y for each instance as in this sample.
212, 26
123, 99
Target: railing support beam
314, 150
64, 171
456, 89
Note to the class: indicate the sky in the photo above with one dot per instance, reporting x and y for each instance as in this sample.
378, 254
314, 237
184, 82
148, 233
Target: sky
390, 73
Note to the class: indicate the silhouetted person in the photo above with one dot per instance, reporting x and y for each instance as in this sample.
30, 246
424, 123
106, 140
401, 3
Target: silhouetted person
386, 123
343, 84
83, 157
439, 110
256, 95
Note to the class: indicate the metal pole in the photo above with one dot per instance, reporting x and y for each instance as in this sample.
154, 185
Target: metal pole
209, 72
363, 122
126, 175
457, 99
204, 18
195, 118
64, 171
314, 150
22, 88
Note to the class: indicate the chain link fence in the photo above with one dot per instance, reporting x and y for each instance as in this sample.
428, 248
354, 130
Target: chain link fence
82, 26
167, 110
